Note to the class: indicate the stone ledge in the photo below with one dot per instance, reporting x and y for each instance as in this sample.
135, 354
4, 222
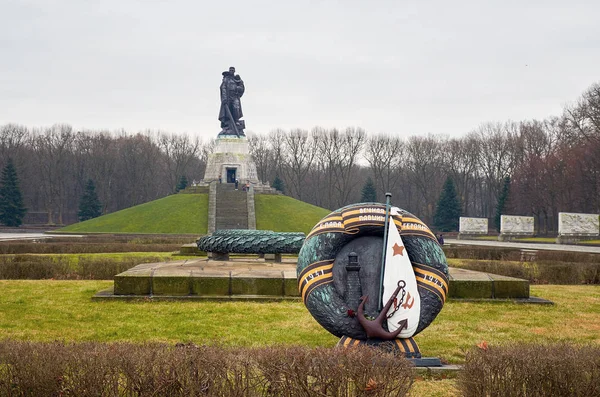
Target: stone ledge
203, 278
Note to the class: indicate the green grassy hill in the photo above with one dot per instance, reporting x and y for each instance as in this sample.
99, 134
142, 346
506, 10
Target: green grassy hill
285, 214
177, 214
188, 213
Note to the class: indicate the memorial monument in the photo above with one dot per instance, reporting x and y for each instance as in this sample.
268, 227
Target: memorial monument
375, 275
231, 160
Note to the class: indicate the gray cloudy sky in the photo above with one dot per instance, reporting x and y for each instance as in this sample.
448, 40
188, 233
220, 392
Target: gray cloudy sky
401, 67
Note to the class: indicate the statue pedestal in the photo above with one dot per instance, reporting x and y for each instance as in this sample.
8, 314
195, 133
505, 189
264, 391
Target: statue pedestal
231, 160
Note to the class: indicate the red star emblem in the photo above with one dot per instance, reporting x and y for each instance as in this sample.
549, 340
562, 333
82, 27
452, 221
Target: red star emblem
398, 250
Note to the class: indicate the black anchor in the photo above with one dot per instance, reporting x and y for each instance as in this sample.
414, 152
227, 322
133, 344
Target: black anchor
374, 328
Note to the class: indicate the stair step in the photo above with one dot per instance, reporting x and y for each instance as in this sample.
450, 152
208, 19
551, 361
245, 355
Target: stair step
232, 207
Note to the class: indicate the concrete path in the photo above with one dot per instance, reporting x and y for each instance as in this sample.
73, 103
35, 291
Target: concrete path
527, 246
31, 236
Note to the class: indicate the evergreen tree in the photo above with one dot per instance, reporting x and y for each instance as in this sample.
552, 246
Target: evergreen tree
369, 193
278, 184
183, 182
502, 201
447, 212
12, 209
89, 204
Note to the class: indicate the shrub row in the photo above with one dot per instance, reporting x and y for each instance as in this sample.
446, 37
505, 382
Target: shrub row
531, 370
95, 369
128, 238
512, 254
97, 244
540, 271
82, 247
38, 267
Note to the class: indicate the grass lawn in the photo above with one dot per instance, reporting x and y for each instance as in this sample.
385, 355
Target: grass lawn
546, 240
50, 310
486, 238
285, 214
63, 310
590, 242
178, 214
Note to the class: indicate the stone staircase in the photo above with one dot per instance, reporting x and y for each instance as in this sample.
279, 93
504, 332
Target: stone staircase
232, 207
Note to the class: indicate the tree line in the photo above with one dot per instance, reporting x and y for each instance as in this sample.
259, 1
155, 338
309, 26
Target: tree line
55, 163
552, 164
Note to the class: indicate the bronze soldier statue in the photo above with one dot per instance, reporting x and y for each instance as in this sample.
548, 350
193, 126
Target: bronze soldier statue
232, 89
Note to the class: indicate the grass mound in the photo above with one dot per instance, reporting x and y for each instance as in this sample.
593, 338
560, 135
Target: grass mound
188, 213
285, 214
179, 213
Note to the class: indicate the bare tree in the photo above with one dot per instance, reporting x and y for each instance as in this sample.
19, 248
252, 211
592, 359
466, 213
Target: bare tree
584, 116
96, 152
261, 152
277, 142
139, 171
425, 163
498, 156
299, 153
54, 155
13, 137
461, 155
179, 152
384, 153
344, 169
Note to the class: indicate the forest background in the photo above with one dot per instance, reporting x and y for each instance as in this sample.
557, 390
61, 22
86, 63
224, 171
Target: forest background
553, 165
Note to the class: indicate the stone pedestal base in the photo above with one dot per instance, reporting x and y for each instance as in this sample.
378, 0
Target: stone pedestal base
231, 160
468, 236
400, 347
511, 237
273, 258
573, 239
218, 256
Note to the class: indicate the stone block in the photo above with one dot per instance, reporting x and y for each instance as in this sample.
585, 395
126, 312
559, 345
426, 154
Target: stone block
190, 249
290, 284
253, 283
218, 256
471, 289
210, 284
171, 281
273, 258
133, 283
509, 287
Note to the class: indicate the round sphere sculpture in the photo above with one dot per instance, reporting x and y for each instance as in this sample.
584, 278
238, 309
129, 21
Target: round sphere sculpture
340, 264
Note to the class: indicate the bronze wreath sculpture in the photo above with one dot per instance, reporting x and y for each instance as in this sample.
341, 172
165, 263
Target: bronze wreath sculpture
339, 265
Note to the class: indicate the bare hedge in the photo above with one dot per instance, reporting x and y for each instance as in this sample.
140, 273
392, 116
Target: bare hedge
98, 369
39, 267
84, 247
98, 244
514, 254
541, 271
531, 370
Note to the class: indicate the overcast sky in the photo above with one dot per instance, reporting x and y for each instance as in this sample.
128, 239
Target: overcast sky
400, 67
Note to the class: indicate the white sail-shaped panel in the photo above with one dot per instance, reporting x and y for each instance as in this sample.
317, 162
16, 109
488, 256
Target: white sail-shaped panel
397, 268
